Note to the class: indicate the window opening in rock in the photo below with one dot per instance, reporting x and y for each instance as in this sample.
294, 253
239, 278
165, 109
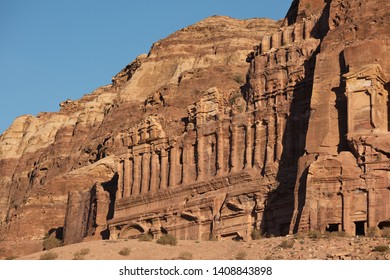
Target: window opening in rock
384, 224
332, 227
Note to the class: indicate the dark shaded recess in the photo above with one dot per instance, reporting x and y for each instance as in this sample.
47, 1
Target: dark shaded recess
58, 232
111, 187
342, 106
387, 87
332, 227
384, 224
292, 13
359, 228
279, 206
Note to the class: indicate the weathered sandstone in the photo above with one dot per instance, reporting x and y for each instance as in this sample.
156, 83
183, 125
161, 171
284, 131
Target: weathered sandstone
224, 127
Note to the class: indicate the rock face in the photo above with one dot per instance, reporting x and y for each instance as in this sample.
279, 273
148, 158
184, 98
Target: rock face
187, 140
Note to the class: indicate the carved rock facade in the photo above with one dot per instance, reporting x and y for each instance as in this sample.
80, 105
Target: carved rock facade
303, 144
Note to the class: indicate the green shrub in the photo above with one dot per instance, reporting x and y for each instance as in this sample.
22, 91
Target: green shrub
167, 239
256, 234
48, 256
241, 255
145, 237
185, 256
50, 242
125, 251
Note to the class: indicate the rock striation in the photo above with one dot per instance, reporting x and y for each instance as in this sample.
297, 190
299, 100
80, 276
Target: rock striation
226, 126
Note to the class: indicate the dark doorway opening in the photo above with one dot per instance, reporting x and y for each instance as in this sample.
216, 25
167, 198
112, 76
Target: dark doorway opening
359, 228
332, 227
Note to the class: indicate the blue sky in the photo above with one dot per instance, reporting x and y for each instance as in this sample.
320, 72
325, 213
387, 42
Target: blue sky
52, 50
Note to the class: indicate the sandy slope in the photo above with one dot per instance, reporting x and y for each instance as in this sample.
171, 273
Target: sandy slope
354, 248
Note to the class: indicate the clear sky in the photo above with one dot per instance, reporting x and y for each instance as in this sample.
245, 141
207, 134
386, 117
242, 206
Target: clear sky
52, 50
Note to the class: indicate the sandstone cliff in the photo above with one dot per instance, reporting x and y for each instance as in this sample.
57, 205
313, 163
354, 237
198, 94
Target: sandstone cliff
224, 127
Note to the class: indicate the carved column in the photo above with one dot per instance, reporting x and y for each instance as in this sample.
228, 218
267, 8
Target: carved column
308, 26
287, 36
145, 173
137, 175
346, 212
164, 170
154, 178
220, 151
371, 222
172, 166
119, 192
248, 144
234, 143
186, 163
298, 33
200, 151
265, 44
271, 140
127, 170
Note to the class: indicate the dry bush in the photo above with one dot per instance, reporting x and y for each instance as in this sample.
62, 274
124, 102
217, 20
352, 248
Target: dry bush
287, 244
381, 248
145, 237
167, 239
316, 234
373, 232
241, 255
185, 256
48, 256
125, 251
385, 232
256, 234
50, 242
79, 255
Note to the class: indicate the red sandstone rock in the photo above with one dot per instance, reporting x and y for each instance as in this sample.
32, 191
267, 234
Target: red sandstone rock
195, 149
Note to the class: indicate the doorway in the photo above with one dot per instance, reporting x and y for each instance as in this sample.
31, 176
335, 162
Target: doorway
360, 228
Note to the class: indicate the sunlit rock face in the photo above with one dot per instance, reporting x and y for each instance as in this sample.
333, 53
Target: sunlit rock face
226, 126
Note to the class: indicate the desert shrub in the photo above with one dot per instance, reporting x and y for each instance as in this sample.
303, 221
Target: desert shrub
185, 256
10, 258
241, 255
373, 232
256, 234
381, 248
385, 232
299, 235
239, 79
339, 234
287, 244
167, 239
145, 237
315, 234
50, 242
48, 256
125, 251
79, 255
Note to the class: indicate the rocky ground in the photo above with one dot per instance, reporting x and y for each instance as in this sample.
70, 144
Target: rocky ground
277, 248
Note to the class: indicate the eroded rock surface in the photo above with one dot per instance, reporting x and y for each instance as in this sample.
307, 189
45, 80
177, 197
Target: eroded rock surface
224, 127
